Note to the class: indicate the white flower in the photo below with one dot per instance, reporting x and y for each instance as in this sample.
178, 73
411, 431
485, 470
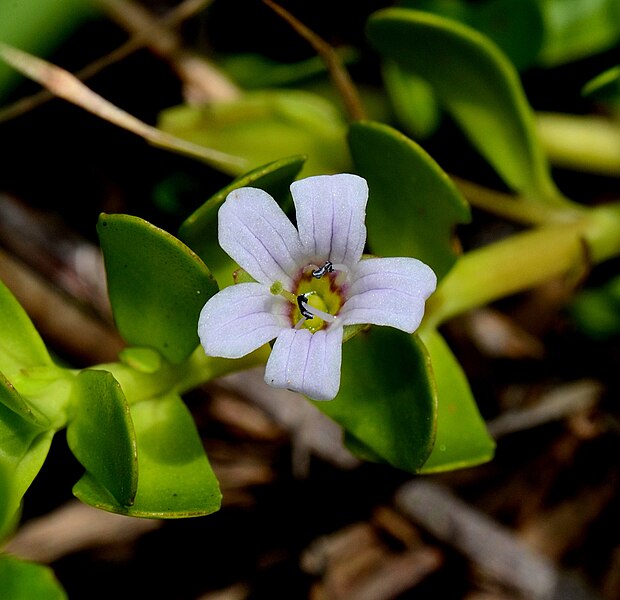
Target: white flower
310, 282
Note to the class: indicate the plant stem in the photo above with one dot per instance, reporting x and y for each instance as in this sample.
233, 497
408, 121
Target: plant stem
586, 143
524, 261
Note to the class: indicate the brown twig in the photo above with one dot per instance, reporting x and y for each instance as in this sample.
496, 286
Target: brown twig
202, 80
64, 85
141, 37
492, 548
335, 67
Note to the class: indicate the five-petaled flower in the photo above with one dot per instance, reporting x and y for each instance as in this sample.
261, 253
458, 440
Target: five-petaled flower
310, 282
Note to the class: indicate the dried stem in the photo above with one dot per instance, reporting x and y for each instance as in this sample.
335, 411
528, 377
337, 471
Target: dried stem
336, 69
64, 85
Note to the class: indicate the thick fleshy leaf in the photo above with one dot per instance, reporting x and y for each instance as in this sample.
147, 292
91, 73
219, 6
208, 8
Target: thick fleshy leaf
254, 231
7, 516
241, 318
22, 453
330, 212
477, 84
157, 285
12, 399
577, 29
24, 580
462, 438
254, 71
175, 478
412, 99
387, 400
20, 344
516, 26
264, 126
305, 362
199, 230
413, 206
605, 88
388, 291
101, 434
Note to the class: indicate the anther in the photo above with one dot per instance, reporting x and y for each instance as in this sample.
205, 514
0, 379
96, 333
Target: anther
303, 309
326, 268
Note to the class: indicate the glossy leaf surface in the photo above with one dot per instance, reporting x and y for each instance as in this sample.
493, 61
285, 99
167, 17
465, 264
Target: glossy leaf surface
20, 344
199, 230
386, 402
478, 86
23, 450
175, 479
462, 438
157, 285
101, 434
413, 206
265, 126
24, 580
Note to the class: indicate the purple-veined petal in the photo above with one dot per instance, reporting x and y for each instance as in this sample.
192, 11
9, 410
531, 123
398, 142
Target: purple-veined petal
305, 362
330, 216
240, 319
254, 231
388, 291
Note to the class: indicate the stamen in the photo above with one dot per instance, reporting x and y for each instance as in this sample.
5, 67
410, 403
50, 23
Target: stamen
326, 268
302, 303
309, 311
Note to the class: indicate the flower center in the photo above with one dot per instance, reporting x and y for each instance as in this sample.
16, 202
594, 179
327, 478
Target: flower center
318, 301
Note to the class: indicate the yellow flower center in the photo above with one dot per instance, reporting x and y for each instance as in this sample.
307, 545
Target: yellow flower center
323, 294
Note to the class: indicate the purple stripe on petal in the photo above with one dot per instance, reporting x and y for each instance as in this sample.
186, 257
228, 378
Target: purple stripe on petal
388, 291
240, 319
330, 216
254, 231
307, 363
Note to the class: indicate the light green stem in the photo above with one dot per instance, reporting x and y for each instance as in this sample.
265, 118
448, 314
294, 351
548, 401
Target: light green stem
586, 143
524, 261
197, 370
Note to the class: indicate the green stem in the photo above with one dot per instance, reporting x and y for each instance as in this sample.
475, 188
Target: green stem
587, 143
524, 261
197, 370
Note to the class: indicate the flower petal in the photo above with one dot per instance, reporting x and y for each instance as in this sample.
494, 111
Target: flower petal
330, 216
388, 291
240, 319
308, 363
255, 232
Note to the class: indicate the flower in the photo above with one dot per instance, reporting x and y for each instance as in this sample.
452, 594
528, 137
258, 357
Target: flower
310, 282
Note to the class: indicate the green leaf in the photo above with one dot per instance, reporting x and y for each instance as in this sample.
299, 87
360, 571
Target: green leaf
199, 230
20, 344
605, 88
596, 311
23, 451
8, 516
12, 399
575, 29
516, 26
157, 285
265, 126
462, 438
175, 478
101, 434
24, 580
413, 100
413, 206
386, 402
254, 71
478, 86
